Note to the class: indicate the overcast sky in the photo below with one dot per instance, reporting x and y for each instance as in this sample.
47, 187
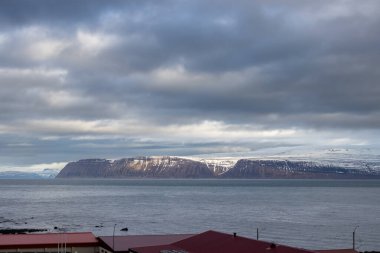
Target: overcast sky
111, 79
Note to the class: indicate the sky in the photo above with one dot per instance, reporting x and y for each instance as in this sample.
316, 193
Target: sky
112, 79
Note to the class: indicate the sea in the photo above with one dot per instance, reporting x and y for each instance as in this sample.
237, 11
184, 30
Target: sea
311, 214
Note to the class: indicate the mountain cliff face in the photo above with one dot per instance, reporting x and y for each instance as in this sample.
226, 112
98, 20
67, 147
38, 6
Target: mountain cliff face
152, 167
175, 167
86, 168
245, 168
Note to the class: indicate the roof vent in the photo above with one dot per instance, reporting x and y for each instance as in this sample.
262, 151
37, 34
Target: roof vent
234, 234
172, 251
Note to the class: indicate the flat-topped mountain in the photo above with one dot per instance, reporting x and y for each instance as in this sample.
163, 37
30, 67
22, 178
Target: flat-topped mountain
86, 168
175, 167
154, 167
246, 168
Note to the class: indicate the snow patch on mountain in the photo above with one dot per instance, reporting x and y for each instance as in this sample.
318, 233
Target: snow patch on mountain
351, 157
217, 165
48, 173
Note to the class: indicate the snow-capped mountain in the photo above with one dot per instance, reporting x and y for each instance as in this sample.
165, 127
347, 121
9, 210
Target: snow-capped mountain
156, 167
44, 174
350, 158
18, 175
218, 166
48, 173
354, 157
291, 163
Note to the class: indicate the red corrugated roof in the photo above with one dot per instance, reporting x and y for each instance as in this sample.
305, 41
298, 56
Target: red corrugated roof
124, 243
337, 251
47, 240
212, 241
155, 249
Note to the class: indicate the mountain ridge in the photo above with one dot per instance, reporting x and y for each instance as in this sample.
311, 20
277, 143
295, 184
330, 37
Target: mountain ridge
178, 167
43, 174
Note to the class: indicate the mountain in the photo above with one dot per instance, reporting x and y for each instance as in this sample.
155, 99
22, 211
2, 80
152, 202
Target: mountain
176, 167
44, 174
218, 166
48, 173
154, 167
349, 157
19, 175
86, 168
245, 168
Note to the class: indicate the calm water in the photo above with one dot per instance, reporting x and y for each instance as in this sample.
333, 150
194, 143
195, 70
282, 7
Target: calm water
311, 214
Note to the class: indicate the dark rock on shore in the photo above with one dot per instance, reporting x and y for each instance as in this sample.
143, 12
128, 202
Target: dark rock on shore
21, 230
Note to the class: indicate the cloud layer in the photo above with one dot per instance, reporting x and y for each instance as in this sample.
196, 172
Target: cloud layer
119, 78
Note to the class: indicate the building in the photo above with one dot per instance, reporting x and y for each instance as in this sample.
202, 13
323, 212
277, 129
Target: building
49, 243
207, 242
336, 251
216, 242
123, 244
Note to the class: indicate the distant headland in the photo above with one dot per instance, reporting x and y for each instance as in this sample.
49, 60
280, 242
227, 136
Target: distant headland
177, 167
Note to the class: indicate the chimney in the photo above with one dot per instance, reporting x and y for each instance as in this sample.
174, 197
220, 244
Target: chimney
272, 246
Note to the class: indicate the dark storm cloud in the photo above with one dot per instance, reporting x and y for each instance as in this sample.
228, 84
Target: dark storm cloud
313, 78
130, 69
26, 12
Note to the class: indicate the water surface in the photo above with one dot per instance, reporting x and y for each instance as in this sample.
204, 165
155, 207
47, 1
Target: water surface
314, 214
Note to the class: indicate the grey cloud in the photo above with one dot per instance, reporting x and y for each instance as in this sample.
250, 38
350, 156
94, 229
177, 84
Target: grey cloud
15, 13
301, 70
34, 151
302, 65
